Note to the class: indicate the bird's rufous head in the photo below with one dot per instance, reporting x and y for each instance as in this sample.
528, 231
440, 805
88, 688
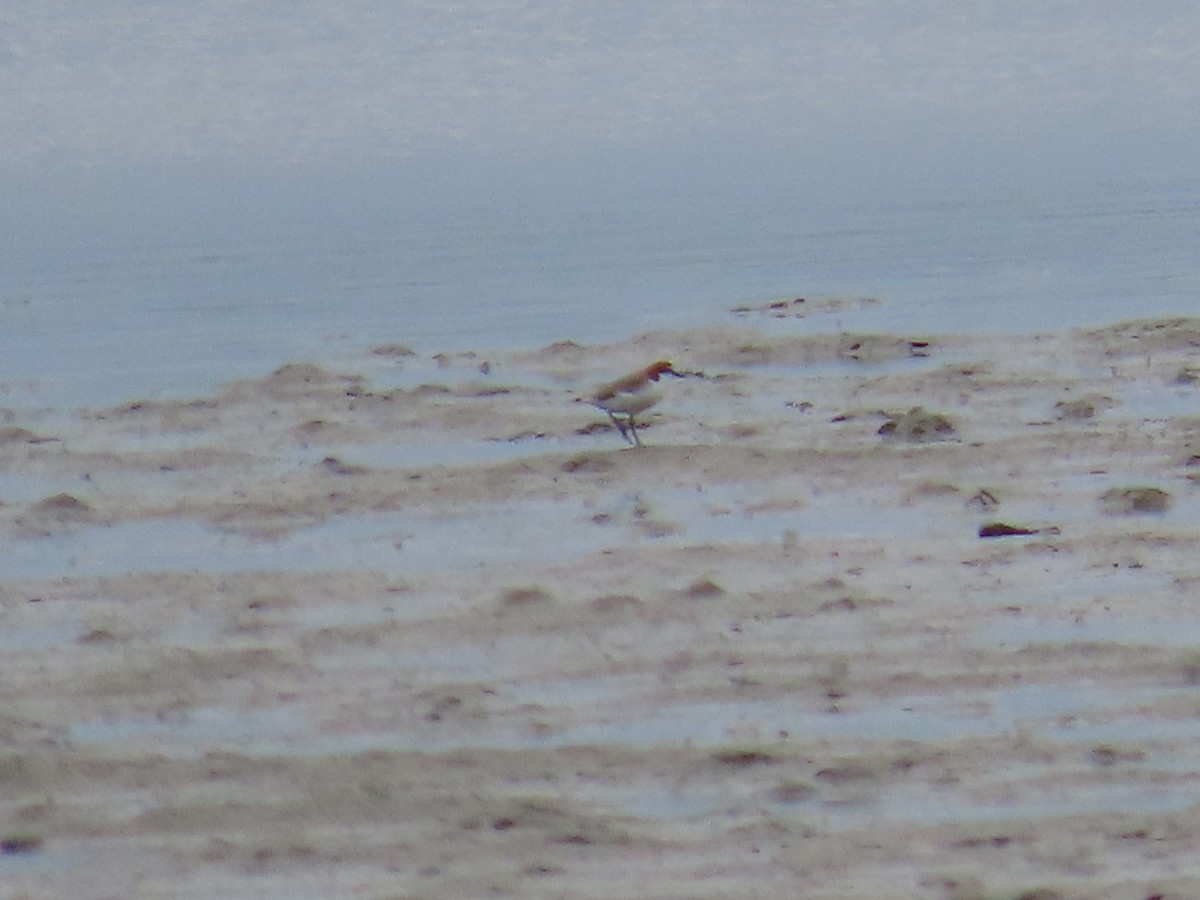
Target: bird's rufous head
662, 367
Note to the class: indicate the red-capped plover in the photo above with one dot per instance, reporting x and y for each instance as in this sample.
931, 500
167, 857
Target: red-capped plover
632, 395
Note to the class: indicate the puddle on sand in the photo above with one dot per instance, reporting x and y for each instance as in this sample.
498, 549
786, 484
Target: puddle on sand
726, 514
47, 860
919, 804
137, 441
1069, 713
195, 629
1151, 401
1118, 588
826, 517
1056, 706
1092, 629
191, 734
22, 488
535, 531
33, 638
410, 455
651, 801
399, 543
434, 666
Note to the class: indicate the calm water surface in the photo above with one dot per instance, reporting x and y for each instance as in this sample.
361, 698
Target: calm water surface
199, 192
234, 286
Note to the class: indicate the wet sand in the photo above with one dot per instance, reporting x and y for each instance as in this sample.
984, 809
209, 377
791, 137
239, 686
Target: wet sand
870, 615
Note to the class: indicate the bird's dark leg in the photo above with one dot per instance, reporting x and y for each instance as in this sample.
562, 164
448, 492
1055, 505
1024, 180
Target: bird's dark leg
637, 441
619, 426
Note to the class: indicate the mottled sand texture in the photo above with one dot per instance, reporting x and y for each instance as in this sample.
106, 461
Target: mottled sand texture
870, 615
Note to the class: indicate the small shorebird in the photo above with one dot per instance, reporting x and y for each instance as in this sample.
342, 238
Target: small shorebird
632, 395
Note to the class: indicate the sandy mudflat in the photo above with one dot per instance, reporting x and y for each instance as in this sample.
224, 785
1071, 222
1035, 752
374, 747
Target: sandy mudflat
423, 627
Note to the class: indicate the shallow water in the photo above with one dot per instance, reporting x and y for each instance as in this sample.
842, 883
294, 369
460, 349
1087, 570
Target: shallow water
395, 543
418, 454
534, 533
601, 713
1118, 628
145, 325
